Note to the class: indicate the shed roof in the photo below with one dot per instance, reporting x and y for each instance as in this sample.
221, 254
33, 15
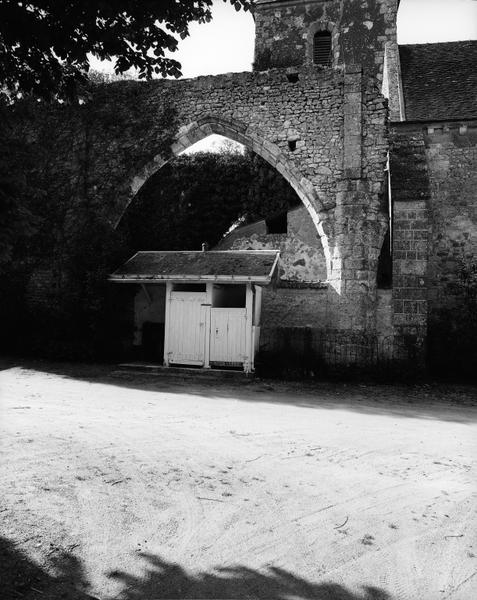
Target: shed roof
439, 80
227, 266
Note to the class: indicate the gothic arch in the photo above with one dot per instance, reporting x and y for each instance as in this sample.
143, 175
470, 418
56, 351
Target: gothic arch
250, 137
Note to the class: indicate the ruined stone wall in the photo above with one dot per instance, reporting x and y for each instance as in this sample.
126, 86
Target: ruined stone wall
301, 252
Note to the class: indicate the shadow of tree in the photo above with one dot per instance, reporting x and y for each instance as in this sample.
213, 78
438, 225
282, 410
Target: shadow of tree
21, 578
169, 580
64, 579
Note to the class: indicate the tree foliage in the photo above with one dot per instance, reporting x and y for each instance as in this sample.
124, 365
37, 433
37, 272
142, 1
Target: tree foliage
44, 44
18, 223
197, 198
192, 199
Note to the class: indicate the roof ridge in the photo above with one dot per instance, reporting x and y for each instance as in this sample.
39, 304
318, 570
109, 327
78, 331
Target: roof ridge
447, 43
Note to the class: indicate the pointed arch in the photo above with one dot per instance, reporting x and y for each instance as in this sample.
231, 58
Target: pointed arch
253, 139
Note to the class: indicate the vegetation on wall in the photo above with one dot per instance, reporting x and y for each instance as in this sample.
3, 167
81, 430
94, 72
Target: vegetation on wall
197, 198
58, 248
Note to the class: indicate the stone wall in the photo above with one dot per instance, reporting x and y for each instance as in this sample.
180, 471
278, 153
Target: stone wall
410, 259
360, 31
452, 162
41, 287
301, 252
100, 154
324, 129
434, 181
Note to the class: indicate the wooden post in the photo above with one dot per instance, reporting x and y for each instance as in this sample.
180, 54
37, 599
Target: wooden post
207, 308
248, 363
257, 309
166, 323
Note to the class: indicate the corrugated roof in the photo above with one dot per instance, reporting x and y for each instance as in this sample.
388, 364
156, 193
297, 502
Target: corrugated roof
439, 80
240, 265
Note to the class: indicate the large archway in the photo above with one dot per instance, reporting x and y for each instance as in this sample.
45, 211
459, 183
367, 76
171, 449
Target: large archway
255, 141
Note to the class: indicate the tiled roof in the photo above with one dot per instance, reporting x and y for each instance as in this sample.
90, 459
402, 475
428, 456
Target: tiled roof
439, 80
240, 266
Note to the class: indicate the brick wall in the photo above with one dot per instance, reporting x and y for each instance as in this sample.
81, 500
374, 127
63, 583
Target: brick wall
410, 257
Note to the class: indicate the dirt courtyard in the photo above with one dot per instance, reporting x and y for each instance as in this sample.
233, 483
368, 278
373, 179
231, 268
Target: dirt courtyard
136, 487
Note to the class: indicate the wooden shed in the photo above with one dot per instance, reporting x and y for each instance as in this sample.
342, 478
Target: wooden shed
210, 302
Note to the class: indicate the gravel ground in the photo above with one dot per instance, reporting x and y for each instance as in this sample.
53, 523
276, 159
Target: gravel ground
138, 487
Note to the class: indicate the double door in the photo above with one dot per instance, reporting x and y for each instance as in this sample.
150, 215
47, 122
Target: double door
198, 334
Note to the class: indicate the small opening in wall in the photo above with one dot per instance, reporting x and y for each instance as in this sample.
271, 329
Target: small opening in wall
228, 296
385, 265
292, 77
277, 224
188, 287
292, 145
322, 49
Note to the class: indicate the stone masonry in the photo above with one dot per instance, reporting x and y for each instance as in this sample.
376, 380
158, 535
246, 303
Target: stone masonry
334, 133
336, 118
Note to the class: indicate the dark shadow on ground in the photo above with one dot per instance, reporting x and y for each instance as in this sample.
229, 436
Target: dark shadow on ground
169, 580
21, 578
440, 401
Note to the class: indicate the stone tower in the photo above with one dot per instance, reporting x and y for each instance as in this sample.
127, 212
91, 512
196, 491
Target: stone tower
357, 41
359, 31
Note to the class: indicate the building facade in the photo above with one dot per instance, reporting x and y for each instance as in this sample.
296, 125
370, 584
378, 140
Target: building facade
379, 143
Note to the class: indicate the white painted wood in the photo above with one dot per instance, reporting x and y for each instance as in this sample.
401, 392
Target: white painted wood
248, 362
187, 328
257, 316
209, 291
166, 323
228, 335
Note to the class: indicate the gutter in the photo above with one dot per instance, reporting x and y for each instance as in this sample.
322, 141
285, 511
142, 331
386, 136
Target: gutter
192, 278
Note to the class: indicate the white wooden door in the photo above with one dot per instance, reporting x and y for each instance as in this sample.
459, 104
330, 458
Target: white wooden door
187, 325
227, 335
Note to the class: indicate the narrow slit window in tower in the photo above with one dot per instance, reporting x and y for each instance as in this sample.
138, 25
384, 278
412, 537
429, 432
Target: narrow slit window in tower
322, 48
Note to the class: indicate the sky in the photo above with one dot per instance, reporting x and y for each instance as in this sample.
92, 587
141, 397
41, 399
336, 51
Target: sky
226, 43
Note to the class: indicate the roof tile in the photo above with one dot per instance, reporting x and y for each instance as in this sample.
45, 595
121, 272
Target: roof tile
440, 80
241, 264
